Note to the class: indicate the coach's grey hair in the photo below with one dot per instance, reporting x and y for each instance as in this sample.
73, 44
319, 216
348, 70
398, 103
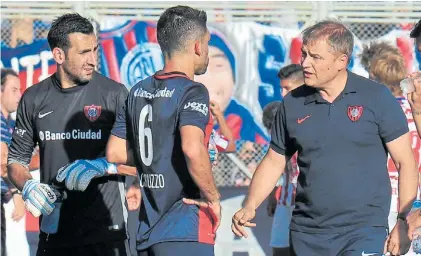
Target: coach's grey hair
338, 36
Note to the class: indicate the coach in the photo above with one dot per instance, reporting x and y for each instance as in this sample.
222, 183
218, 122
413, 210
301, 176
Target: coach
342, 126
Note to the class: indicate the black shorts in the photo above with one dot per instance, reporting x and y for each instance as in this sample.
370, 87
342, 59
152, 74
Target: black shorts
178, 248
119, 248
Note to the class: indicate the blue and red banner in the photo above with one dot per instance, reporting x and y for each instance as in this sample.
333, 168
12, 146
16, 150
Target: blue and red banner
244, 59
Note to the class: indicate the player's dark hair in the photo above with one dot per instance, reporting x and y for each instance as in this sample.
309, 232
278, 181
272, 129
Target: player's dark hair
269, 112
416, 31
177, 26
290, 70
69, 23
5, 72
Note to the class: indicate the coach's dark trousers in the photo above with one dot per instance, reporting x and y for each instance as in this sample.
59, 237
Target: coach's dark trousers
360, 241
117, 248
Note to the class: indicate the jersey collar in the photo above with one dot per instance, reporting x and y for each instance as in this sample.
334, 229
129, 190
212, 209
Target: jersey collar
161, 75
350, 87
57, 84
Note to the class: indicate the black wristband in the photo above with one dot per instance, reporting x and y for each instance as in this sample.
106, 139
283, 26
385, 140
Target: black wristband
402, 216
16, 192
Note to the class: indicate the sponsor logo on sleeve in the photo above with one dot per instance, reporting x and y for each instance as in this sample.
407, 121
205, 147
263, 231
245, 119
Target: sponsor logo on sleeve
197, 106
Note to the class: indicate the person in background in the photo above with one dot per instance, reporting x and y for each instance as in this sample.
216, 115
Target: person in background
291, 77
223, 141
389, 69
414, 98
16, 243
374, 49
281, 200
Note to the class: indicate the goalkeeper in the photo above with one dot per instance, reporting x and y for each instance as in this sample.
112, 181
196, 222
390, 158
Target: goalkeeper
70, 116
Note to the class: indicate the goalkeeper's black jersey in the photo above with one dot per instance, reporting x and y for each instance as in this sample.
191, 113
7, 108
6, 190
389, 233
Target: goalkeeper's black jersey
70, 124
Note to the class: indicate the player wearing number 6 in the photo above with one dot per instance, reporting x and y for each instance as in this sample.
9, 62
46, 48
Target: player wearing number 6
166, 124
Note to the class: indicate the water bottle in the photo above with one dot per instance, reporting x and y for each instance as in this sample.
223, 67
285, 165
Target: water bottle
416, 238
407, 85
49, 223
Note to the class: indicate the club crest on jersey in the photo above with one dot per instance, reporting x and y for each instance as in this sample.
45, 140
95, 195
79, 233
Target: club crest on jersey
355, 112
92, 112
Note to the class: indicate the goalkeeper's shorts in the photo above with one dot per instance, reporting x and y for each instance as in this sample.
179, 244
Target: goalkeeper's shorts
118, 248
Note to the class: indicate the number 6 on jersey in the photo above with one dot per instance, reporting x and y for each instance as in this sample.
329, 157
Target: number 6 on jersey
145, 132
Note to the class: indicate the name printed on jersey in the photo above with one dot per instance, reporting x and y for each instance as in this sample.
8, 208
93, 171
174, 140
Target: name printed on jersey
75, 134
163, 93
153, 181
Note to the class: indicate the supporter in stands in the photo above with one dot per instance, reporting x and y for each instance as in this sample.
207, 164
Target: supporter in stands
414, 98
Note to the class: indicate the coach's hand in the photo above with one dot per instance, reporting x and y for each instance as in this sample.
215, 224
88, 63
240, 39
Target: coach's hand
134, 198
39, 198
398, 242
79, 174
242, 219
214, 209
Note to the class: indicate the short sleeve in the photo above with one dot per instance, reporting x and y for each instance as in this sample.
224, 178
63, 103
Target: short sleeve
120, 124
391, 119
194, 107
23, 138
121, 99
280, 140
6, 135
